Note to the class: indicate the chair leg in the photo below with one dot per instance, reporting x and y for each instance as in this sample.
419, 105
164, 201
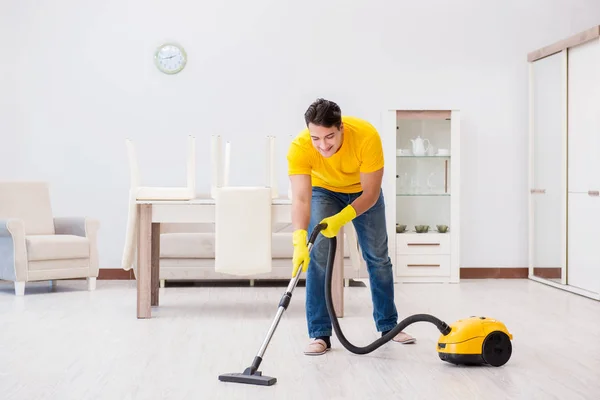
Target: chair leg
20, 288
91, 283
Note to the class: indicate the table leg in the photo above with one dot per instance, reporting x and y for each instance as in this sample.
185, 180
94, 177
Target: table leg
337, 277
144, 257
155, 262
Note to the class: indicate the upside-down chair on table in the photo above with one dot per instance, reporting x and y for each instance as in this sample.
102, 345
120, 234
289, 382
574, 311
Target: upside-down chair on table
139, 192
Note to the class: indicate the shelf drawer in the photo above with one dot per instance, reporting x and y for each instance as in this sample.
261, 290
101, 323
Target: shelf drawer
423, 265
422, 243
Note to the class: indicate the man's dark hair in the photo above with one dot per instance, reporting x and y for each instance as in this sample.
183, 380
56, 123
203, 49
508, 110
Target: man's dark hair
324, 113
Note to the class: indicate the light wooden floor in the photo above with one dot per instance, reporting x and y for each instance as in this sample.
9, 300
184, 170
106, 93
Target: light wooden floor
74, 344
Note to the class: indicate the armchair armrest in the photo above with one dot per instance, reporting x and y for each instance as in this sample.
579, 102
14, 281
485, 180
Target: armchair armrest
81, 226
13, 250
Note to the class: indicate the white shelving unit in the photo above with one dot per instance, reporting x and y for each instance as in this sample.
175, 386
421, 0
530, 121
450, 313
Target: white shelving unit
564, 168
423, 189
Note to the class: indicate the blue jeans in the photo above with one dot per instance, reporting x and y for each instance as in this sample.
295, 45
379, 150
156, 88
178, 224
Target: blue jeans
373, 240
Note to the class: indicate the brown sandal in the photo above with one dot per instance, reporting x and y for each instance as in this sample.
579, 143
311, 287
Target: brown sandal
316, 348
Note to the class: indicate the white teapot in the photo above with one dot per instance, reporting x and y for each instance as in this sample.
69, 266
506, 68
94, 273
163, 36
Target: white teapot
418, 146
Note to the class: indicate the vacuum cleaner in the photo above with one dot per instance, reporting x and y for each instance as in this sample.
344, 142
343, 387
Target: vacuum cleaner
476, 340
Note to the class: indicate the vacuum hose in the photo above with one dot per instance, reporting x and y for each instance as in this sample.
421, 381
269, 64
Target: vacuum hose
441, 325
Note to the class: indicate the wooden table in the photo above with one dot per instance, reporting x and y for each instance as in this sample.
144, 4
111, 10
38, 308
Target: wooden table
151, 213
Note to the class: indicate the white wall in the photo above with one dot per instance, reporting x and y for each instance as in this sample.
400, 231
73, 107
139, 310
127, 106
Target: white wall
81, 78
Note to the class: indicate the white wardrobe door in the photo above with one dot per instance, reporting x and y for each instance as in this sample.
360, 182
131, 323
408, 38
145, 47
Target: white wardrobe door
548, 149
583, 117
583, 269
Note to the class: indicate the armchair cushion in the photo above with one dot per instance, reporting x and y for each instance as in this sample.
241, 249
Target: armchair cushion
81, 227
56, 247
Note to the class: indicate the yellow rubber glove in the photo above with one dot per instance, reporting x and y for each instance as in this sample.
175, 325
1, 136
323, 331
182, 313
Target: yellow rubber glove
300, 257
335, 222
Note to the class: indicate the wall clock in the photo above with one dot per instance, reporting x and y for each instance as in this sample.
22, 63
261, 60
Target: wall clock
170, 58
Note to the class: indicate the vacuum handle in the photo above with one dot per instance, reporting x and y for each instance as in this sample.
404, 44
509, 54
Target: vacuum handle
315, 233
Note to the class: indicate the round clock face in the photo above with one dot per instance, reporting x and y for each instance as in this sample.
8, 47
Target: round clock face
170, 58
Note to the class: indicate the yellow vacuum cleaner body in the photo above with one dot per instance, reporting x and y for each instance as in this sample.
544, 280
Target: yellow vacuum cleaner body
476, 340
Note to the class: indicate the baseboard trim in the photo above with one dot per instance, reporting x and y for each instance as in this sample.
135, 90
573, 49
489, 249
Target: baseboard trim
115, 274
547, 273
465, 273
494, 273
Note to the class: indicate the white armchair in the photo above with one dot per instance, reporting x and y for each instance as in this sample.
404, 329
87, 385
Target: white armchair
36, 246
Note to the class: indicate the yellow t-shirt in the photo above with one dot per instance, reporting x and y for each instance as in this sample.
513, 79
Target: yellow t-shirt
361, 151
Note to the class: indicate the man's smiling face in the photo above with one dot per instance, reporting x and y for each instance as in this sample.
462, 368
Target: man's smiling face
327, 141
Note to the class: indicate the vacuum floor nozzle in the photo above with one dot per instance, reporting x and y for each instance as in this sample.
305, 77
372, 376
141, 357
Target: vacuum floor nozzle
251, 375
256, 378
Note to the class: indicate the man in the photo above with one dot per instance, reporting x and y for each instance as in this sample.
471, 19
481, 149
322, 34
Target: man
336, 168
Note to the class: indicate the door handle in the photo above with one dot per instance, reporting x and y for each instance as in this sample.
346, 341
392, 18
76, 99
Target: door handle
423, 265
542, 191
593, 192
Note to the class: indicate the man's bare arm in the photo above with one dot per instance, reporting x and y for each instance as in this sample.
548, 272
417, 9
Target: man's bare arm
371, 185
301, 198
